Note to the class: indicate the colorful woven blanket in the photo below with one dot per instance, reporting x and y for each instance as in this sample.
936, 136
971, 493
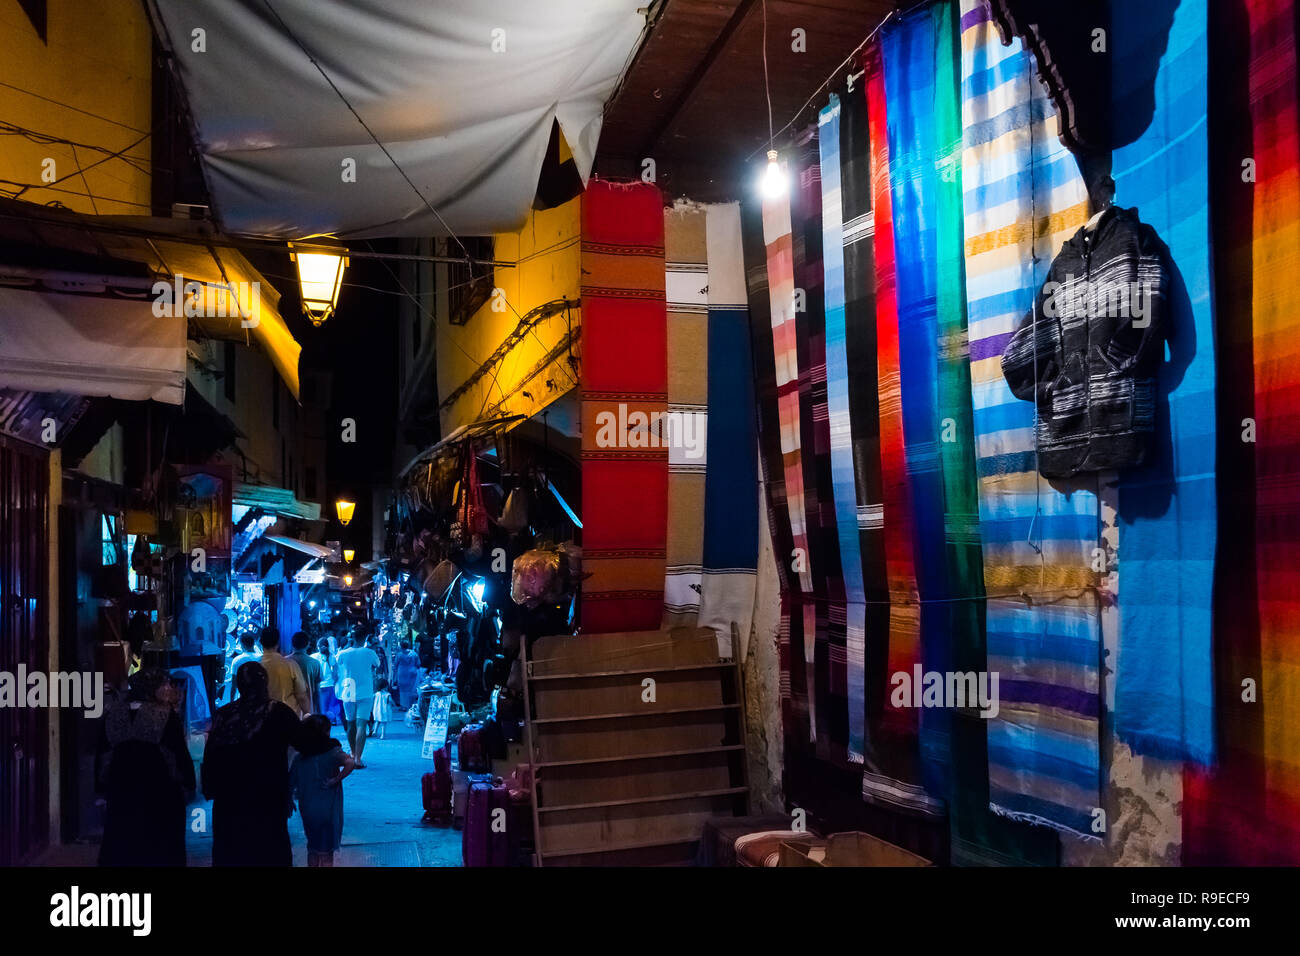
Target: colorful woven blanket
730, 528
687, 280
915, 147
1247, 811
844, 489
892, 772
624, 387
1164, 701
1023, 198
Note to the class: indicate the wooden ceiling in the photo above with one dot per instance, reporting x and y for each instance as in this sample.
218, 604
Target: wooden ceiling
694, 101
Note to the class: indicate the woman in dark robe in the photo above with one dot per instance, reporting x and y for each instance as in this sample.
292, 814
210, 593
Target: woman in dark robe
246, 775
146, 776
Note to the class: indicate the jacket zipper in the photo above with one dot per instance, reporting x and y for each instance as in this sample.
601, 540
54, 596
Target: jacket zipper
1087, 325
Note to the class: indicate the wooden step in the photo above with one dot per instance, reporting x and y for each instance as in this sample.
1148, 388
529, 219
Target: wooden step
643, 712
620, 846
631, 801
653, 756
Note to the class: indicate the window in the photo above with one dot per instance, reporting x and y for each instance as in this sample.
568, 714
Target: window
467, 293
230, 371
309, 483
108, 540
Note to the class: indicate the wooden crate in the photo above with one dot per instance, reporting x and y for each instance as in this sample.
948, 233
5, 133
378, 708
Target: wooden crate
849, 849
620, 779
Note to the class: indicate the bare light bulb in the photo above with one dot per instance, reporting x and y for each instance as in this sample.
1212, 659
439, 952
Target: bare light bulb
774, 184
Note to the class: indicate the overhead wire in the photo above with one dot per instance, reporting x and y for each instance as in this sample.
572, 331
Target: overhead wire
829, 77
80, 171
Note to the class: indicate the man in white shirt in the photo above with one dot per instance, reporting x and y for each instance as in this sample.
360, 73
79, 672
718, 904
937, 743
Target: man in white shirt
354, 683
284, 677
248, 652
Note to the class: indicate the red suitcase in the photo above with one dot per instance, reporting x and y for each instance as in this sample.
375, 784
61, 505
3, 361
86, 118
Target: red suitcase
520, 817
499, 826
436, 788
470, 751
475, 837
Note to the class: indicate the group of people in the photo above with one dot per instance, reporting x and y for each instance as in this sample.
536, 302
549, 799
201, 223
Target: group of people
269, 743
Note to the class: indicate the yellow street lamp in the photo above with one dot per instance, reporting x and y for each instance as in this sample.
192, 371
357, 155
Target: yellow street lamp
320, 277
347, 580
344, 509
348, 555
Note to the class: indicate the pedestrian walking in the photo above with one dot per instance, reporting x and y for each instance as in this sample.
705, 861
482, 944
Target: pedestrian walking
317, 779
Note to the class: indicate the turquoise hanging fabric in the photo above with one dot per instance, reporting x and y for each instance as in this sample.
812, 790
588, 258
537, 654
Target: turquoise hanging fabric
843, 480
1164, 696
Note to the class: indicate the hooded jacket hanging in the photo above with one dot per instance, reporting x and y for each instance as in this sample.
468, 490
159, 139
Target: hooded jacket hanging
1089, 350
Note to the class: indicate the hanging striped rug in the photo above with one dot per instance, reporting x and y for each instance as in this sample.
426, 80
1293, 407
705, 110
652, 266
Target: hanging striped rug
1023, 198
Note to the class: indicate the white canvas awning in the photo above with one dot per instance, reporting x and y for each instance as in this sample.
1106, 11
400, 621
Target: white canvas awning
464, 94
67, 277
297, 544
90, 345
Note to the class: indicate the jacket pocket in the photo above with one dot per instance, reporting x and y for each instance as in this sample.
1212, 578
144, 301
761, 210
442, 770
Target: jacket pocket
1068, 399
1111, 402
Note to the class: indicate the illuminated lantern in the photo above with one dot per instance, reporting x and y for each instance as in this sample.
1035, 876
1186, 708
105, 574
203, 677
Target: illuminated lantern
320, 276
345, 508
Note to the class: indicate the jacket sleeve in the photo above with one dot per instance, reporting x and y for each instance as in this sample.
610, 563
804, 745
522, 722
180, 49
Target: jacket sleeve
1030, 376
1138, 341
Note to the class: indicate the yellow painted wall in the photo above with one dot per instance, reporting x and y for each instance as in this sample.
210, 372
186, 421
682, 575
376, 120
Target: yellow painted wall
89, 83
547, 250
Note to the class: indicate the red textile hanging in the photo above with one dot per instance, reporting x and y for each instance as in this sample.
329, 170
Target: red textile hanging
1247, 810
624, 397
898, 725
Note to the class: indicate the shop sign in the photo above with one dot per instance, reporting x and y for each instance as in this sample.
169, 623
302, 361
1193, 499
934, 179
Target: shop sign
435, 728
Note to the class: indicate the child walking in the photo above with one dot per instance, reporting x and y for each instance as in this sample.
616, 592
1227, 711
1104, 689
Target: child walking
381, 714
317, 778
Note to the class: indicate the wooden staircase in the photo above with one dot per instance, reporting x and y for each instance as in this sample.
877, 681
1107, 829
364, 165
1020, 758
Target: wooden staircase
636, 740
